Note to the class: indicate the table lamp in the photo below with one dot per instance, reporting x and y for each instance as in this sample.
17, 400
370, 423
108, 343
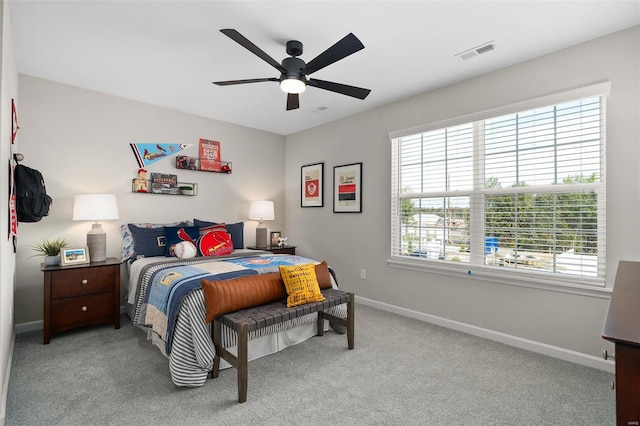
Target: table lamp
96, 207
261, 211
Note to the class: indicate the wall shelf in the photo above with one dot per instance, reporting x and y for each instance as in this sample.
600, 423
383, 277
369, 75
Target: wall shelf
181, 189
193, 163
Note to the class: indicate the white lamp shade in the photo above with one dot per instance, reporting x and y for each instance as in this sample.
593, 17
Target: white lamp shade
95, 207
261, 210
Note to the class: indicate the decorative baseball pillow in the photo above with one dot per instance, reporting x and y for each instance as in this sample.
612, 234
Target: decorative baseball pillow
185, 250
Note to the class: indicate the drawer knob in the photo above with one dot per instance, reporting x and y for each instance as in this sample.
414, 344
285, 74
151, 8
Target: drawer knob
84, 281
84, 309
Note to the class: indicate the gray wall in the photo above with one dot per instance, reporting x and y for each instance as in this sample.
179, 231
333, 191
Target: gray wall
529, 317
8, 91
80, 139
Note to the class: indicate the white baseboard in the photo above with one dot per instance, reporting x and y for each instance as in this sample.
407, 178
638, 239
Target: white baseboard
39, 325
29, 326
530, 345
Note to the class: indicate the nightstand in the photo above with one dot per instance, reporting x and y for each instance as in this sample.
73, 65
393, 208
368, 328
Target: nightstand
276, 249
80, 295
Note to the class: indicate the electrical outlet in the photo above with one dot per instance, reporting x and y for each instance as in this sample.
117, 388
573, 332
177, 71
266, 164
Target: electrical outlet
363, 274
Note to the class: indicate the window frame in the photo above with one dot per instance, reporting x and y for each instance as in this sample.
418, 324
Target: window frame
527, 278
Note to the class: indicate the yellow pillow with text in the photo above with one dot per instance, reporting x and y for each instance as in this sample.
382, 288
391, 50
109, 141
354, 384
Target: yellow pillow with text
301, 284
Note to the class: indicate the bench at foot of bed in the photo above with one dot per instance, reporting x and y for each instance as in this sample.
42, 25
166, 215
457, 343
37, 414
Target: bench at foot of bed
246, 321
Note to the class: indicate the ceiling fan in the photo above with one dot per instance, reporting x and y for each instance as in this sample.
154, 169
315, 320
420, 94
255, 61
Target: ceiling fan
294, 71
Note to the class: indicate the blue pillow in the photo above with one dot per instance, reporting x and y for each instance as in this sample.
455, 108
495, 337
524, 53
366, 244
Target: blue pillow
235, 229
147, 242
176, 234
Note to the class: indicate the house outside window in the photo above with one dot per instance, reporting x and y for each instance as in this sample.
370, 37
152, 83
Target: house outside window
511, 192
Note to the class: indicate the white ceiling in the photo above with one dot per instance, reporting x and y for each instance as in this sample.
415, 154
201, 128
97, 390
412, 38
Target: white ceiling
167, 53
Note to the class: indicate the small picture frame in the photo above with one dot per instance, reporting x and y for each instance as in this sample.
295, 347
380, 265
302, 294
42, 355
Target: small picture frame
275, 235
312, 185
347, 188
74, 256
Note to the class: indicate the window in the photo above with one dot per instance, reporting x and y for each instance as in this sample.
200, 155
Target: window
510, 193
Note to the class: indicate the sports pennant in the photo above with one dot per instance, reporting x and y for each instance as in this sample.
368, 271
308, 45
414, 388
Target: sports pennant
14, 122
148, 153
13, 215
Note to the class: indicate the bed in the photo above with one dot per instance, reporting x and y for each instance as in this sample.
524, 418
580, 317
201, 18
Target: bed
164, 297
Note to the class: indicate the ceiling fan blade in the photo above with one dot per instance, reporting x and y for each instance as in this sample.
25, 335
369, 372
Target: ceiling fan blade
253, 80
244, 42
356, 92
293, 101
345, 47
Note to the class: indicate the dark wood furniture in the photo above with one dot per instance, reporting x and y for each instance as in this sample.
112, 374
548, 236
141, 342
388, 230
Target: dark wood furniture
80, 295
622, 327
276, 249
261, 317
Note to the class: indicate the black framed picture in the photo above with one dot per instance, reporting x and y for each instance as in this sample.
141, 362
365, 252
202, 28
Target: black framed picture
312, 185
275, 237
347, 188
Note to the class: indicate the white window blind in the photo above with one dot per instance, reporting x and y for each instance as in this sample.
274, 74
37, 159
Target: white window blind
522, 192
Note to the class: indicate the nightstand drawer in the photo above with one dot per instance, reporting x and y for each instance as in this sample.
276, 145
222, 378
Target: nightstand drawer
77, 282
83, 310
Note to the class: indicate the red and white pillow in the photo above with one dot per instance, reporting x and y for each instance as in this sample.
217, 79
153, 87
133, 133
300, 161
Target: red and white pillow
215, 243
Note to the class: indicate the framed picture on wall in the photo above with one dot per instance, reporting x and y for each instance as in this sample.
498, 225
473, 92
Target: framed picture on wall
347, 188
312, 185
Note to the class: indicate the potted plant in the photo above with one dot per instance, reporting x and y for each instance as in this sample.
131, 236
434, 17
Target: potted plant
186, 190
50, 249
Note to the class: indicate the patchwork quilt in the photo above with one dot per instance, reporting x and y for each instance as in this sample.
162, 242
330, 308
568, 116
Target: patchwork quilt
168, 301
164, 285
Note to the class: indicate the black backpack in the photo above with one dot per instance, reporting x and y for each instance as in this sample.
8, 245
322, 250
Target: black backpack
32, 201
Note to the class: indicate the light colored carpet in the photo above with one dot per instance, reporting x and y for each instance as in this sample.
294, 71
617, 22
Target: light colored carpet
402, 372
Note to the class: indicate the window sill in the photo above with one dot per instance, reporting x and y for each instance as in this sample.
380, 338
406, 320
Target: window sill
595, 288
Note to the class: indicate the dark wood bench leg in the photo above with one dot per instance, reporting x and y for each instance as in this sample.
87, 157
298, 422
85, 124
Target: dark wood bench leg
320, 325
349, 322
217, 344
243, 363
351, 305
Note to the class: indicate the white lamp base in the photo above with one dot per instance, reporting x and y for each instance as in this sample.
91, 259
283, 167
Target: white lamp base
97, 243
261, 235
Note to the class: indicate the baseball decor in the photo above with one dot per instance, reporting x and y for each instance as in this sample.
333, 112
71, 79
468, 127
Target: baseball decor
185, 250
215, 243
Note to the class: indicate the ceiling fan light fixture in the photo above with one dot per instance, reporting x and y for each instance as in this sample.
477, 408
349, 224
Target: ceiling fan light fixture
294, 71
292, 85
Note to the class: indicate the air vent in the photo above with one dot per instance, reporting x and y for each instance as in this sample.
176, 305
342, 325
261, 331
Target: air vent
478, 50
468, 55
484, 49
